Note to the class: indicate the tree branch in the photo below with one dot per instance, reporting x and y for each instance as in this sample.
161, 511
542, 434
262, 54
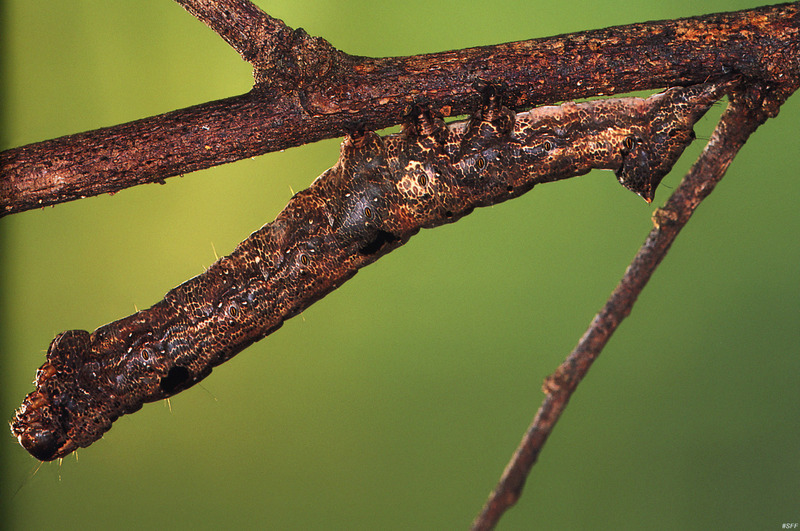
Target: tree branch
744, 114
307, 91
240, 22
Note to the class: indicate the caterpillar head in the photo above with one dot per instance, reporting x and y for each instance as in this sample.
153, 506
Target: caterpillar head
49, 420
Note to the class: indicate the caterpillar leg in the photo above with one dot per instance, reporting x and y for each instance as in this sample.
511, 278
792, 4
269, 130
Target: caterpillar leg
491, 123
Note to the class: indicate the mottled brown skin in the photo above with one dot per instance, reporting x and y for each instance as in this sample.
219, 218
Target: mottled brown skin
381, 192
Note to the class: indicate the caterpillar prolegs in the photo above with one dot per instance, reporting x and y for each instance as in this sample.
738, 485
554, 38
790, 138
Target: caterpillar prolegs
381, 192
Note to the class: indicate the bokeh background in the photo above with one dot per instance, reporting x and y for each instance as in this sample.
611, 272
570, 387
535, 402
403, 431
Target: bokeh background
395, 402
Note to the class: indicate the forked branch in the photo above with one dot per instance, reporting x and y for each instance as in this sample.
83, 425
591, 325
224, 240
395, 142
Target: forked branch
306, 91
240, 23
746, 111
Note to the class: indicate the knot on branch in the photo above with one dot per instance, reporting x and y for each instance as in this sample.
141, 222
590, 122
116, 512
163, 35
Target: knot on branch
663, 217
762, 99
563, 380
293, 59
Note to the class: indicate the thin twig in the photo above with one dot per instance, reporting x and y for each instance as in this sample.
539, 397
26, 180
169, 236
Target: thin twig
240, 22
743, 116
306, 91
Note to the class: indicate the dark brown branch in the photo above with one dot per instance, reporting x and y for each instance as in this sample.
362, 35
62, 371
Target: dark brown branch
744, 114
241, 24
282, 57
306, 91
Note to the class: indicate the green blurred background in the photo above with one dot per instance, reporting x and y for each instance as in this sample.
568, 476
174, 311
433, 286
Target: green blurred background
396, 401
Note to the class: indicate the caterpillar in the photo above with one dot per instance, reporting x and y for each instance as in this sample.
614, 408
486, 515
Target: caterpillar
381, 192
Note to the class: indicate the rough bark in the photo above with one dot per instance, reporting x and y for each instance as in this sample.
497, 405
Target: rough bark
746, 112
306, 91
